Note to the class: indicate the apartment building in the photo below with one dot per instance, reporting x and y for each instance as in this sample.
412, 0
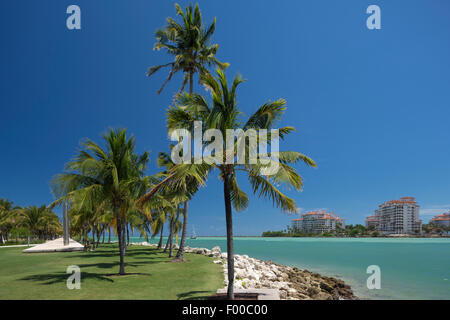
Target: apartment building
397, 217
442, 220
372, 222
318, 222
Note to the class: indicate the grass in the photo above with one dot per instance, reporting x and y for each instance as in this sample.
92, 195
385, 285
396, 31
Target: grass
150, 275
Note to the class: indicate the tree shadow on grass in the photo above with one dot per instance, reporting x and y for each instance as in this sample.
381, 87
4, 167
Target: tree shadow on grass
114, 253
61, 277
194, 295
111, 265
52, 278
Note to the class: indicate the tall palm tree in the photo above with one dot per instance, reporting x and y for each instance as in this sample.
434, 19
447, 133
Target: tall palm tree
113, 174
189, 43
224, 114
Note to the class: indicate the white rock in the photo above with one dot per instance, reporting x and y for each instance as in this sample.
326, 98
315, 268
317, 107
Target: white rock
216, 250
268, 275
253, 275
238, 284
240, 273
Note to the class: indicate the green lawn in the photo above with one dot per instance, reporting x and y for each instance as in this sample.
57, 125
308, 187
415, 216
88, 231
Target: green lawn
151, 275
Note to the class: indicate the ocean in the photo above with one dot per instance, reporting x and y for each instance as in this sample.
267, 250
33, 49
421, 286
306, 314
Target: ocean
410, 268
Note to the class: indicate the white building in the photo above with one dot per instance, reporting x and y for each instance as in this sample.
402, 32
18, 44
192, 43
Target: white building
318, 222
442, 220
398, 217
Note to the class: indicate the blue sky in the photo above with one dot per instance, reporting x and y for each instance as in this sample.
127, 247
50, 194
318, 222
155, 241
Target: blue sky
371, 107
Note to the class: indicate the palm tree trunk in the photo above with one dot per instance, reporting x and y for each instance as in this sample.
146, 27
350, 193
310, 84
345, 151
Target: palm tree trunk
119, 236
230, 247
167, 245
103, 235
180, 253
172, 227
170, 235
161, 237
124, 243
99, 233
93, 237
128, 235
109, 235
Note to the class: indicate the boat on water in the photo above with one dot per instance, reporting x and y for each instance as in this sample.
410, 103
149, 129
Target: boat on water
193, 236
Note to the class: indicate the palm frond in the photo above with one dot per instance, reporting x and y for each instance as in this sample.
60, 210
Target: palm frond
264, 188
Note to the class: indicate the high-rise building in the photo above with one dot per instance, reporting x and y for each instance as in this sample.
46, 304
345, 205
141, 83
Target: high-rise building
442, 220
318, 222
397, 217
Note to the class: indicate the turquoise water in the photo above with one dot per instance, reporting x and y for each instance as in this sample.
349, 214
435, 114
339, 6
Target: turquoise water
410, 268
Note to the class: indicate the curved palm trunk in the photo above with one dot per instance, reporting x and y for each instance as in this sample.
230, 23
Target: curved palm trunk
173, 231
120, 238
180, 253
230, 247
161, 237
167, 245
169, 239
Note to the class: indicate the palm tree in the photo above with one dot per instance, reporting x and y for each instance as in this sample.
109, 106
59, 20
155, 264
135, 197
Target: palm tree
166, 208
183, 189
174, 228
8, 218
224, 114
189, 44
165, 161
113, 174
40, 221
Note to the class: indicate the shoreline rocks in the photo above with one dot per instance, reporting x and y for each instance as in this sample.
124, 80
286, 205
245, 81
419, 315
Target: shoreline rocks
291, 282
